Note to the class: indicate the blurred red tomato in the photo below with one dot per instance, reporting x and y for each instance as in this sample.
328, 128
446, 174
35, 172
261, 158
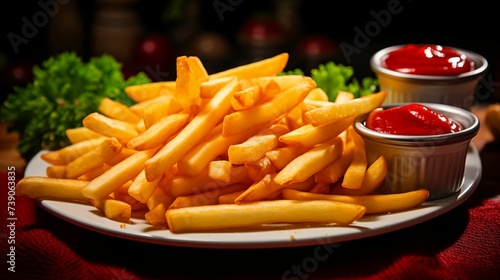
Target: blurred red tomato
317, 46
156, 51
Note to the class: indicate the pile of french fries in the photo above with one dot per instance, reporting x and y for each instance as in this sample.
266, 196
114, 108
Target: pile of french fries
238, 148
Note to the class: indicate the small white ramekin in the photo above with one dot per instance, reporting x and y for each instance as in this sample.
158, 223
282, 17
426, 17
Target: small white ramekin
457, 90
434, 162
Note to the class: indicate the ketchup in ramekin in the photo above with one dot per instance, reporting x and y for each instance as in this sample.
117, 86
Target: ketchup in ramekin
411, 119
429, 73
428, 60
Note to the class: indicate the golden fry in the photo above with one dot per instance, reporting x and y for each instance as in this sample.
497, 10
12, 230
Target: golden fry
56, 171
148, 91
256, 146
351, 108
374, 203
221, 216
220, 170
343, 96
156, 216
207, 150
259, 168
353, 177
209, 88
118, 111
209, 197
100, 187
187, 185
167, 98
245, 98
69, 153
337, 169
281, 156
94, 158
159, 133
265, 67
51, 188
187, 89
141, 189
374, 177
310, 162
258, 116
114, 209
121, 130
309, 135
197, 68
80, 134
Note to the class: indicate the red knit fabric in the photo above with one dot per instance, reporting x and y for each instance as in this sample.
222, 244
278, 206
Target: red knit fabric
461, 244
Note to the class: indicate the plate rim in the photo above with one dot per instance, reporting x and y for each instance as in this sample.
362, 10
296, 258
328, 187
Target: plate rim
283, 238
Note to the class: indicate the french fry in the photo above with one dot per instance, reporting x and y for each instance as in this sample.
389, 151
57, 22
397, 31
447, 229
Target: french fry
337, 169
224, 216
351, 108
320, 188
165, 98
259, 168
265, 67
100, 187
187, 90
374, 177
256, 146
51, 188
207, 150
79, 134
209, 197
317, 94
343, 96
148, 91
56, 171
266, 113
209, 88
245, 98
69, 153
160, 196
267, 189
121, 130
187, 185
192, 133
229, 198
141, 189
159, 132
156, 111
309, 135
121, 193
117, 110
90, 175
220, 170
197, 68
353, 177
156, 216
123, 154
283, 82
94, 158
281, 156
114, 209
310, 162
374, 203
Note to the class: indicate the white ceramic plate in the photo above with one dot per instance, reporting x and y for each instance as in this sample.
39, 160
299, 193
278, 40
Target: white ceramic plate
269, 236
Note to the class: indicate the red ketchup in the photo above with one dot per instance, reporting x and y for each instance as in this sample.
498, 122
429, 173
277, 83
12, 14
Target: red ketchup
411, 119
428, 60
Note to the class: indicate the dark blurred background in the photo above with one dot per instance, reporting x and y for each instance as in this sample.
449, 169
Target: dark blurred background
147, 36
